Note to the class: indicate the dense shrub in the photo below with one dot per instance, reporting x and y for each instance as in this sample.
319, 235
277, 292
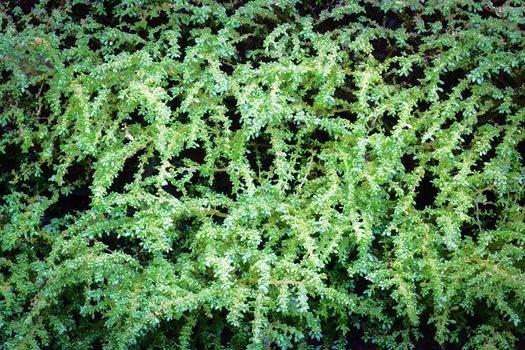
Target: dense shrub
262, 174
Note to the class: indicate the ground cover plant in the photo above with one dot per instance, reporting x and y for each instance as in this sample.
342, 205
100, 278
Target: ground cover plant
264, 174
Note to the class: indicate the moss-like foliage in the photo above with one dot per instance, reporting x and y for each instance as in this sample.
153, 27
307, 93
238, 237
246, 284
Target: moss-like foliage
262, 174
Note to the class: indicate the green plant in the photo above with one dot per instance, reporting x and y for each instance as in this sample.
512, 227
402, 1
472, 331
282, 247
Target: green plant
262, 174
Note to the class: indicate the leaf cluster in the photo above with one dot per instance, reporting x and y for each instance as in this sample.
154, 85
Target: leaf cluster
262, 174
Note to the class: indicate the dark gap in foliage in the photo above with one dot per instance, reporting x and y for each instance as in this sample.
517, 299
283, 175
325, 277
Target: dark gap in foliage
70, 299
355, 340
79, 200
125, 244
320, 136
461, 17
25, 5
184, 41
196, 183
426, 192
183, 117
233, 113
373, 13
264, 242
79, 11
130, 211
484, 159
42, 183
195, 154
154, 35
487, 12
428, 340
80, 172
184, 226
389, 121
130, 47
313, 8
32, 185
168, 329
251, 42
414, 42
492, 117
219, 219
392, 195
292, 126
467, 140
179, 245
9, 161
227, 333
93, 327
13, 254
470, 230
314, 343
5, 76
515, 80
172, 189
521, 149
377, 244
38, 90
383, 49
5, 271
422, 106
361, 285
390, 77
206, 332
68, 42
227, 68
347, 115
436, 17
331, 23
126, 175
336, 271
131, 23
264, 220
413, 78
41, 248
309, 95
299, 257
136, 117
465, 94
151, 167
261, 60
485, 211
409, 163
346, 93
108, 19
161, 19
449, 122
471, 321
450, 80
156, 337
94, 44
520, 343
233, 6
260, 157
392, 20
491, 199
174, 102
222, 183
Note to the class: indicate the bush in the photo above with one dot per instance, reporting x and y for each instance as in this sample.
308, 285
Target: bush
262, 174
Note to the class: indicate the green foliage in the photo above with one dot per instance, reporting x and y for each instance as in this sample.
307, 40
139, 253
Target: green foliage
262, 174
